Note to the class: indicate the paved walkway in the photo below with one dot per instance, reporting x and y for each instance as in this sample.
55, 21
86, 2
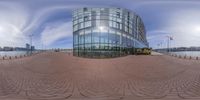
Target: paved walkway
59, 76
156, 53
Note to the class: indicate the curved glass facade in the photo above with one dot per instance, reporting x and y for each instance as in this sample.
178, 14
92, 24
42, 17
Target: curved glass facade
107, 32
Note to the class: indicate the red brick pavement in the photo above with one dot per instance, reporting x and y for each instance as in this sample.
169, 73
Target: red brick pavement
59, 76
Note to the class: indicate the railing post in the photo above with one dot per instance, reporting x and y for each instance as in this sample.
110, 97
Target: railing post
190, 57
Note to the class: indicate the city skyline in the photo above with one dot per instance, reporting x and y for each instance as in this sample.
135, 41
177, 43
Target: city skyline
51, 21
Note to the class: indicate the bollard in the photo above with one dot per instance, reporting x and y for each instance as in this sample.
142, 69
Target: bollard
3, 58
185, 57
197, 58
10, 57
190, 57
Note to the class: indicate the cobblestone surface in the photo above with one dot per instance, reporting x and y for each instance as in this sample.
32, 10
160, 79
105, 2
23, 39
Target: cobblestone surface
60, 76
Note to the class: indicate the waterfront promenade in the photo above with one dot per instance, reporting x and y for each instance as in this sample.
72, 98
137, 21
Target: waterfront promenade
60, 76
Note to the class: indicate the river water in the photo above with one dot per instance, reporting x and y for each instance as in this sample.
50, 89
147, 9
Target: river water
188, 53
12, 53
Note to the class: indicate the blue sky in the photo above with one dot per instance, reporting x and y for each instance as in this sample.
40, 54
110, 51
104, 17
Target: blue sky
50, 21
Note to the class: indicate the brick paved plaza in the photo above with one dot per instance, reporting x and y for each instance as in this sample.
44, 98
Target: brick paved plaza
59, 76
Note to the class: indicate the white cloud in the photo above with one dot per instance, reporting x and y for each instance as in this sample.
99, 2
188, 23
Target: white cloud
12, 21
185, 28
43, 13
17, 21
56, 31
182, 25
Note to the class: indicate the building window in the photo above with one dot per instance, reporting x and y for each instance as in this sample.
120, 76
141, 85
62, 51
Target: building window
75, 22
88, 24
114, 24
81, 32
98, 17
110, 17
88, 38
126, 29
110, 23
119, 20
118, 14
98, 23
76, 39
75, 27
87, 31
85, 9
86, 18
104, 37
117, 25
81, 25
80, 20
95, 37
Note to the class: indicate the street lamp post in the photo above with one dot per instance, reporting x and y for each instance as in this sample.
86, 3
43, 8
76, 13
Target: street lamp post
31, 42
169, 38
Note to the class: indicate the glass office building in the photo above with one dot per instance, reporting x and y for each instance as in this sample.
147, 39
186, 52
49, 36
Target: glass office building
107, 32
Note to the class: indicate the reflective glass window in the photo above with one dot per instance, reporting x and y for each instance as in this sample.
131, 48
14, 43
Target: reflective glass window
97, 17
112, 38
87, 46
86, 18
88, 38
87, 31
75, 39
110, 23
75, 22
75, 27
117, 25
88, 24
98, 23
95, 37
118, 36
80, 20
104, 38
81, 25
118, 14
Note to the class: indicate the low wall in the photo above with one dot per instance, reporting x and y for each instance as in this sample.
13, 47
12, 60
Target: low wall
185, 57
17, 57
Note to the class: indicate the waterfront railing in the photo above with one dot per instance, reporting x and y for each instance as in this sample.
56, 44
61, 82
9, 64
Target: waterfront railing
6, 57
184, 56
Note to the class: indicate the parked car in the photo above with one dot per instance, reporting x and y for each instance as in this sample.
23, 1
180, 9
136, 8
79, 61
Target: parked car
143, 51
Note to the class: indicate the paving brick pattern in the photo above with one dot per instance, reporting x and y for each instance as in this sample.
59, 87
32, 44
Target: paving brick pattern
60, 76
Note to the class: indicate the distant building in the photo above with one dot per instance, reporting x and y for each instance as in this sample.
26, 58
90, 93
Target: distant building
178, 49
20, 49
28, 46
32, 48
8, 48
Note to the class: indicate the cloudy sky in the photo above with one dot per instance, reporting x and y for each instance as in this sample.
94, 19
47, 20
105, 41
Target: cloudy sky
50, 21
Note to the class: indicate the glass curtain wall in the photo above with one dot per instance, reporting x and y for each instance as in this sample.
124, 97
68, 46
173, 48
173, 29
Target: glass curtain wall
107, 32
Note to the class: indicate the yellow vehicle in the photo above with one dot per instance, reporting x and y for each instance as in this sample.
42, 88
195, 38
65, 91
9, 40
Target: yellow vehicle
143, 51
